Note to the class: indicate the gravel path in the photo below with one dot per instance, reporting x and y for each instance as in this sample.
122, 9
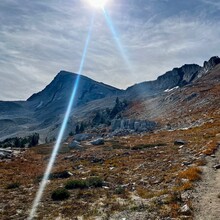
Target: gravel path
207, 201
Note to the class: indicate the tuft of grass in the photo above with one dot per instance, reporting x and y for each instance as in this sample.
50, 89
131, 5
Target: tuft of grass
184, 187
210, 149
192, 174
82, 184
60, 194
145, 194
13, 185
201, 162
119, 190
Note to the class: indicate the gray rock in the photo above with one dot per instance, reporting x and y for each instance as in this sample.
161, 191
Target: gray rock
180, 142
185, 210
99, 141
186, 163
82, 137
217, 166
136, 126
5, 154
115, 124
75, 145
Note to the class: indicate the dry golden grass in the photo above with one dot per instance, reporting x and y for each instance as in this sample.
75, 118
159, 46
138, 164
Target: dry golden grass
211, 148
152, 172
192, 174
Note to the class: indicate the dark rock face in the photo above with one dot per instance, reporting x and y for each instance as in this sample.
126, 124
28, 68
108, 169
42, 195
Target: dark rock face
208, 65
176, 77
55, 97
131, 124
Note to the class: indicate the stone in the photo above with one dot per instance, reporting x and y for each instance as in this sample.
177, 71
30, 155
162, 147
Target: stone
180, 142
6, 154
75, 145
97, 160
185, 210
217, 166
186, 163
136, 126
61, 175
82, 137
98, 141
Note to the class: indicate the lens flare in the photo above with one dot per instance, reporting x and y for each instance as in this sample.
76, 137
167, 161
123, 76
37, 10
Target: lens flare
97, 3
62, 130
117, 40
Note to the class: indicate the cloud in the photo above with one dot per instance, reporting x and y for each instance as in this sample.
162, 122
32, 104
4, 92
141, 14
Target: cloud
39, 38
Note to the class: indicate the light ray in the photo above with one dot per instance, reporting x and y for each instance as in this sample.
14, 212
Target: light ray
62, 130
117, 39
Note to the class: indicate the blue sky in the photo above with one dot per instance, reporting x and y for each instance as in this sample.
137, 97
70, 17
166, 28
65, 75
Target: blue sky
40, 38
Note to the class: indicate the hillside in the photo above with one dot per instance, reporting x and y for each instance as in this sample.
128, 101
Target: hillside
43, 111
164, 173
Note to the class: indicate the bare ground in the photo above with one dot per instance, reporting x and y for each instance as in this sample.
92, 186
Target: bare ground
207, 201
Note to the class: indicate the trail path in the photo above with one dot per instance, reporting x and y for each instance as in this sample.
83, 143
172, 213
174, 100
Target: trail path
207, 201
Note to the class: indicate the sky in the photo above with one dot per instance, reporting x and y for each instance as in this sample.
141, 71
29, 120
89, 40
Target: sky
38, 38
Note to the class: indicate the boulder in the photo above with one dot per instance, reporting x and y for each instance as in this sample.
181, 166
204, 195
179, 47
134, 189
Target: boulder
185, 210
98, 141
5, 154
82, 137
217, 166
136, 126
75, 145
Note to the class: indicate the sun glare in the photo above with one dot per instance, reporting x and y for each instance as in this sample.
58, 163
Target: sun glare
97, 3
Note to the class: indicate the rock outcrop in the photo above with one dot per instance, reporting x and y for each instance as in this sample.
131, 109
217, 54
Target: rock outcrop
132, 124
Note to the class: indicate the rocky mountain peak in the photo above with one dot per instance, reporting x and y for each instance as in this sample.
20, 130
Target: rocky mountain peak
56, 95
209, 65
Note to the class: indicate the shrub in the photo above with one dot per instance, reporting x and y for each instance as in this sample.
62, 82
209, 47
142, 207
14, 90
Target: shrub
82, 184
75, 184
120, 190
95, 182
60, 194
13, 185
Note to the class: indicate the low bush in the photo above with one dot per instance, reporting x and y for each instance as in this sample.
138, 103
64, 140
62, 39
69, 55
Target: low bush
82, 184
95, 182
13, 185
60, 194
120, 190
76, 184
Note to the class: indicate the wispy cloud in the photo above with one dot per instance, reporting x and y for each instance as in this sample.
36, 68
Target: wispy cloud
39, 38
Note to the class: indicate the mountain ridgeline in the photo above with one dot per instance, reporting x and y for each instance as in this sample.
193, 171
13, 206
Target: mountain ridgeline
43, 111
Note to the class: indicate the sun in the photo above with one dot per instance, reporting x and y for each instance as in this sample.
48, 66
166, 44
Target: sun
97, 3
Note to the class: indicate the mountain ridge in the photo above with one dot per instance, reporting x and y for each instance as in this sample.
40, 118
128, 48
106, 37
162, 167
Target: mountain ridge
43, 111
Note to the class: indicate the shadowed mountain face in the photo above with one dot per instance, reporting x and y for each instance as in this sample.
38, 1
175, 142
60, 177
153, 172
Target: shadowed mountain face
56, 95
43, 111
178, 77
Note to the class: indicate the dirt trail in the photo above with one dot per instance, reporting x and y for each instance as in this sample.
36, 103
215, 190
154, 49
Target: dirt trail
207, 201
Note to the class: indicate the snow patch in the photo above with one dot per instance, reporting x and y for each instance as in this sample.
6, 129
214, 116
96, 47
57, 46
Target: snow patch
169, 90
